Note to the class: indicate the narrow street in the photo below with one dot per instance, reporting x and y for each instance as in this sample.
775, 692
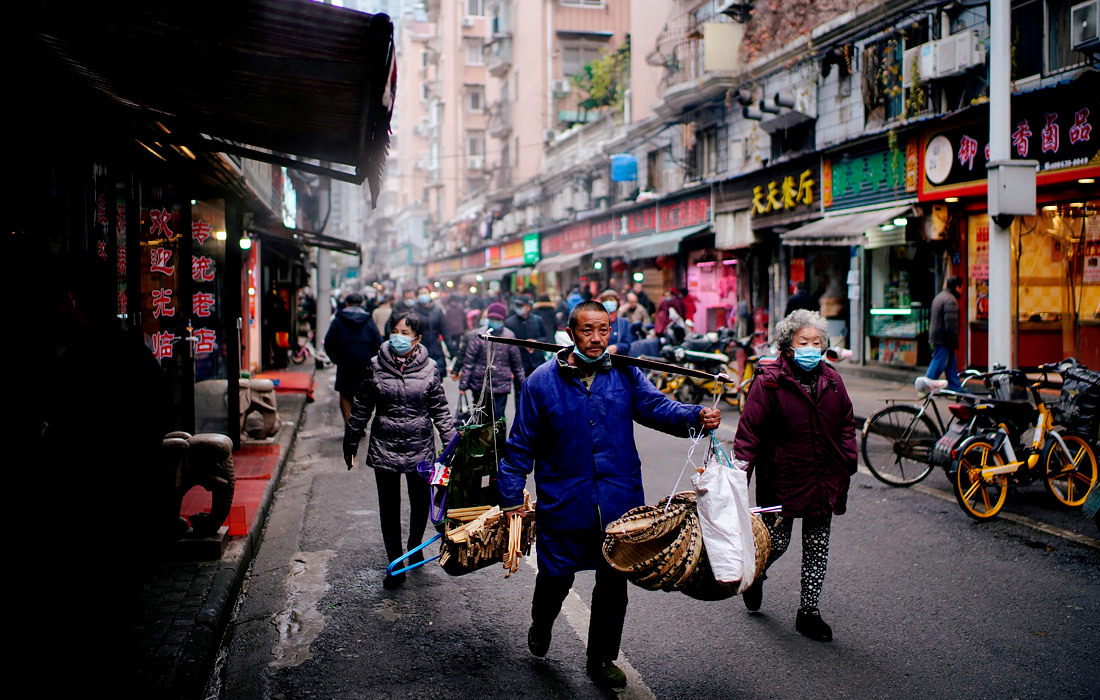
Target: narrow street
923, 603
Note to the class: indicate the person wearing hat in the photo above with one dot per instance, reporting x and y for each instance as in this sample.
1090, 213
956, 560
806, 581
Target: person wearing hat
575, 421
351, 342
619, 342
507, 367
527, 326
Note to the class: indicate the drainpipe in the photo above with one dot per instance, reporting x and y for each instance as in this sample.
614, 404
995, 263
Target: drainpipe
550, 121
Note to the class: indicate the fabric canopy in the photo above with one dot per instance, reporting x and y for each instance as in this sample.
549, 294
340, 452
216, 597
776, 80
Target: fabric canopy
308, 238
667, 243
264, 79
497, 273
560, 262
850, 230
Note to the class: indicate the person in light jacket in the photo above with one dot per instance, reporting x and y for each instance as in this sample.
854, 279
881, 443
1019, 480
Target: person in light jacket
798, 437
405, 395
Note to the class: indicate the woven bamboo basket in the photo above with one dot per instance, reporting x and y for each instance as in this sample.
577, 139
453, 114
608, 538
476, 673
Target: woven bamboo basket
670, 564
647, 523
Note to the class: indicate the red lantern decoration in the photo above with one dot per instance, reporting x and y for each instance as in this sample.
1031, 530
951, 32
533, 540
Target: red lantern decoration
619, 266
665, 262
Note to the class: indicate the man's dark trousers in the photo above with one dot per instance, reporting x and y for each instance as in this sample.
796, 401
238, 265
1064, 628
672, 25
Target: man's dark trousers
605, 627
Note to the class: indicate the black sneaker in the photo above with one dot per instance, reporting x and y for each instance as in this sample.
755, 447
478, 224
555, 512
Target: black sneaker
810, 624
605, 674
538, 641
754, 595
392, 582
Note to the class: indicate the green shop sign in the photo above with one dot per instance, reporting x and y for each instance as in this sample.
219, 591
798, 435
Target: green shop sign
531, 249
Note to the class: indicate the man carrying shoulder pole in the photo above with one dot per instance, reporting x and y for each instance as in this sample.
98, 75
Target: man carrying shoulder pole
575, 421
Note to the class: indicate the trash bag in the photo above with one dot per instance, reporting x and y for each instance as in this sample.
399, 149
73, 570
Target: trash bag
722, 500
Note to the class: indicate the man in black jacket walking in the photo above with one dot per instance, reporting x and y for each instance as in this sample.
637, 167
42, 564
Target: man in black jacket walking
351, 342
943, 332
527, 326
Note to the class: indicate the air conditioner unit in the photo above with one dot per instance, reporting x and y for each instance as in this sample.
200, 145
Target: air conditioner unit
958, 53
475, 162
549, 135
467, 21
560, 88
924, 58
1082, 25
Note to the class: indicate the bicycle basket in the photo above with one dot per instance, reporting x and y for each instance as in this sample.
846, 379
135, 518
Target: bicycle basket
1010, 386
1078, 407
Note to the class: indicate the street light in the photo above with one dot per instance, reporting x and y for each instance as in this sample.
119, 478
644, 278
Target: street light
597, 265
639, 276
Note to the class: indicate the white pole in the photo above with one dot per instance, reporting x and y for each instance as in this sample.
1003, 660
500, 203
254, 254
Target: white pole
1000, 242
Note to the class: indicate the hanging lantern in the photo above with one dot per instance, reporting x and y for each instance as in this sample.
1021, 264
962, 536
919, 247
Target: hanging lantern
665, 262
618, 266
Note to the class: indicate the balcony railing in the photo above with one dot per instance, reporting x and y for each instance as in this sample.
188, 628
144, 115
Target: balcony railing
500, 120
499, 55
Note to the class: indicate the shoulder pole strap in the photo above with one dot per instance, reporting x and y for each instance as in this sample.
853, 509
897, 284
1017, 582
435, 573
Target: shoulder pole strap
616, 360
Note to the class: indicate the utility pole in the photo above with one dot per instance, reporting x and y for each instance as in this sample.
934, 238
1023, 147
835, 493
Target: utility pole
1011, 187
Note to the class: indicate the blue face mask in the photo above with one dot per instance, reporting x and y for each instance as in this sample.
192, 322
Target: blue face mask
807, 357
611, 305
495, 325
410, 302
521, 311
400, 344
425, 299
586, 358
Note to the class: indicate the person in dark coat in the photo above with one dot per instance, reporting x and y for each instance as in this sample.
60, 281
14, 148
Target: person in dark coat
545, 310
507, 364
432, 321
797, 436
644, 299
943, 332
454, 315
802, 299
405, 395
576, 423
528, 326
351, 342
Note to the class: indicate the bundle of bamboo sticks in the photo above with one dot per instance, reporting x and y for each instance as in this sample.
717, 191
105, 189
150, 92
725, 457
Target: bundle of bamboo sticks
486, 535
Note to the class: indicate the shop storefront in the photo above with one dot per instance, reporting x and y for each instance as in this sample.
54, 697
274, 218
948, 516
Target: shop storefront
870, 247
1056, 289
782, 199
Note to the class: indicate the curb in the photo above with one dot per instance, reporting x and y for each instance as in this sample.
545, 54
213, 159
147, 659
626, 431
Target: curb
199, 654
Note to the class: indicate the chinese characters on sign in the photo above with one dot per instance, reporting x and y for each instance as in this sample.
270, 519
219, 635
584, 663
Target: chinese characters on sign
791, 195
162, 344
202, 268
200, 231
968, 149
692, 211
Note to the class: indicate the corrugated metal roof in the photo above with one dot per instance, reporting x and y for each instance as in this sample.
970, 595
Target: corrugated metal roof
288, 76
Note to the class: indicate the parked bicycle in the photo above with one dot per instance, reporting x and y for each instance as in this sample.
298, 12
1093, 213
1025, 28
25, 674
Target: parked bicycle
987, 463
898, 441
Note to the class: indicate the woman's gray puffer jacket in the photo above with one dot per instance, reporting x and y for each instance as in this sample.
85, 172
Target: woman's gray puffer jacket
406, 402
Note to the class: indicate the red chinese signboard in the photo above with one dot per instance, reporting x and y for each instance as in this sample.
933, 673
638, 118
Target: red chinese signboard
692, 211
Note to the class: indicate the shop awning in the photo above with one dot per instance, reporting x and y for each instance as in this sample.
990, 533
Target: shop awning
496, 274
560, 262
308, 238
667, 243
470, 276
292, 82
862, 229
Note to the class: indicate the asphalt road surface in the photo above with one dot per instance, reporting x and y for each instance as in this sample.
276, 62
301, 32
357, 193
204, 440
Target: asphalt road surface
923, 601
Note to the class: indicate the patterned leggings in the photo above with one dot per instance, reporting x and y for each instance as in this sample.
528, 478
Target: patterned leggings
815, 551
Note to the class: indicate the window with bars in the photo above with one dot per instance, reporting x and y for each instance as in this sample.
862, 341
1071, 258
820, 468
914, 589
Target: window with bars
475, 53
475, 8
475, 98
575, 56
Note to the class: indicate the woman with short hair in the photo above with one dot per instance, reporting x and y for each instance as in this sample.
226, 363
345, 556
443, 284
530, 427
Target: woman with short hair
797, 435
406, 397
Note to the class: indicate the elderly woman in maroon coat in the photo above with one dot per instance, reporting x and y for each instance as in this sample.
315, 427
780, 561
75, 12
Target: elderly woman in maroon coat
798, 437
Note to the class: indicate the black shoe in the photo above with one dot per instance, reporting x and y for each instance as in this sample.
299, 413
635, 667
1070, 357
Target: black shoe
605, 674
754, 595
810, 624
415, 558
392, 582
538, 641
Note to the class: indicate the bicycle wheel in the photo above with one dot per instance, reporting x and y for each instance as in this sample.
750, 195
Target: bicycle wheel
299, 356
1069, 483
897, 445
980, 498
